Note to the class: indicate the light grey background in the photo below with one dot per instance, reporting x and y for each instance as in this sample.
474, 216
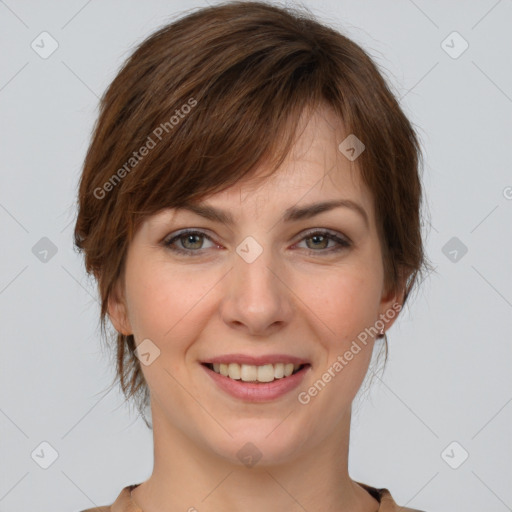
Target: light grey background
448, 377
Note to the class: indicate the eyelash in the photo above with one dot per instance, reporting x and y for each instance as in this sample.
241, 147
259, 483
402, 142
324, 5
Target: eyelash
343, 243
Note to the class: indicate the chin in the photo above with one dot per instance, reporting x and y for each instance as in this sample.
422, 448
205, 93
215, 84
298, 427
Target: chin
257, 443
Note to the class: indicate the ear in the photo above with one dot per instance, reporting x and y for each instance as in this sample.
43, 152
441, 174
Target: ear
391, 304
118, 311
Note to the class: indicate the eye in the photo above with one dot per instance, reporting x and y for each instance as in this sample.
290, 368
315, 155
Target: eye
320, 240
191, 242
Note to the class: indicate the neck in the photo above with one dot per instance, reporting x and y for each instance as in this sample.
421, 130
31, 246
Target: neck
187, 476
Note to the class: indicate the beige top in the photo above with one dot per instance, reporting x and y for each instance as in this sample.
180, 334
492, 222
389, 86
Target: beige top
124, 502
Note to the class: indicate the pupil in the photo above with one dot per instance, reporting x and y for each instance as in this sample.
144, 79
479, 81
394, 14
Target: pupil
318, 238
190, 238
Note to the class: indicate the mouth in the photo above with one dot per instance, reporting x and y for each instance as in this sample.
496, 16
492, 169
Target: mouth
262, 378
256, 373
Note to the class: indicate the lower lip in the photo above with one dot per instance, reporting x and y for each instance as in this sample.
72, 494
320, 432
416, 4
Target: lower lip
254, 391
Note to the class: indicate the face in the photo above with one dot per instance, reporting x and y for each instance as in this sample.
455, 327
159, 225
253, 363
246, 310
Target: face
267, 288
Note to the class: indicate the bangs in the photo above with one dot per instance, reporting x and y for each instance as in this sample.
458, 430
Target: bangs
244, 116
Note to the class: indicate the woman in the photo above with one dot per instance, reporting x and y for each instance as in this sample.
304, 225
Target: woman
250, 208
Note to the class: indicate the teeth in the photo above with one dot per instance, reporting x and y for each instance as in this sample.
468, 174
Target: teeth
252, 373
248, 373
265, 373
234, 371
279, 370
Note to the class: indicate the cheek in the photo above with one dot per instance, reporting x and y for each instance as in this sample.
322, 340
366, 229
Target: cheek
164, 302
346, 302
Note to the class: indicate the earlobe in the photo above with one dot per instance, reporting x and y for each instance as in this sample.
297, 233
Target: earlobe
118, 313
391, 305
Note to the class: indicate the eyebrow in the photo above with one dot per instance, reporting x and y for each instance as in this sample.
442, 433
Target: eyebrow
292, 214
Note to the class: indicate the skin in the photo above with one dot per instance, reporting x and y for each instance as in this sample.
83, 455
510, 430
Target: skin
296, 298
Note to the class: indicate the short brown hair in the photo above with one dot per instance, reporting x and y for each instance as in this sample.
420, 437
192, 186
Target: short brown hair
213, 95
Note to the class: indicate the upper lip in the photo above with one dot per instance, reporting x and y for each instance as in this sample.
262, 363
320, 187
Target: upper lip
256, 360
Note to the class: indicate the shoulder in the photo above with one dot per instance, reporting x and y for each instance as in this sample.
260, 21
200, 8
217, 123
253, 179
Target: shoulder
123, 503
387, 503
98, 509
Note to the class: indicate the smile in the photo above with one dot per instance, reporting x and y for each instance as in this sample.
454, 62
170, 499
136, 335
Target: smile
253, 373
256, 382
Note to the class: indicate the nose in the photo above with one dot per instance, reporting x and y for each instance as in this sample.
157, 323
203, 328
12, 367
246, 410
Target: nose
257, 300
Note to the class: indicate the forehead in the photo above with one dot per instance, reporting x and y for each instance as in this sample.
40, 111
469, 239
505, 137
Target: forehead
314, 170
